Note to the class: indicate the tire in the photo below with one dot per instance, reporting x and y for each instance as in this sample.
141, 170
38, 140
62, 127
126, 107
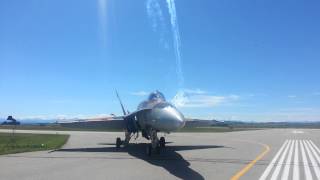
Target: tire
162, 142
118, 142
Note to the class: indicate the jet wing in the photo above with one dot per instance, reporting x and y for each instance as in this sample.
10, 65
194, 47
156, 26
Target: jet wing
113, 123
138, 112
109, 123
202, 123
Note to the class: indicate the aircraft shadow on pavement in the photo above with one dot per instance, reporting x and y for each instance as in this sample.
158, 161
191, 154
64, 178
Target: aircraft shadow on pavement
168, 158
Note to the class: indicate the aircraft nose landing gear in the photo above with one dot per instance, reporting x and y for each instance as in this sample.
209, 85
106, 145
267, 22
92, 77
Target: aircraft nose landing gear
156, 144
151, 150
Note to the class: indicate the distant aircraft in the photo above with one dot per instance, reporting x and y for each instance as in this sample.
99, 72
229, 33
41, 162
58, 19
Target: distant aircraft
11, 121
152, 116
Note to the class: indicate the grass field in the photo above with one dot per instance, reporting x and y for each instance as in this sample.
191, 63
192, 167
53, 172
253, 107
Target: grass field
19, 142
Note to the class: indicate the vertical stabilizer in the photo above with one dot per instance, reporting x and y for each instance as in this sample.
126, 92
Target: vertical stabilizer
123, 110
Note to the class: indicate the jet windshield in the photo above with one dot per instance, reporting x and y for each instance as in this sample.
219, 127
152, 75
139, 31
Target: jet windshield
156, 96
153, 99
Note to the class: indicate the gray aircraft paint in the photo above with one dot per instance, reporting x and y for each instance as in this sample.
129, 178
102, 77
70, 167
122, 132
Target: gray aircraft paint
160, 115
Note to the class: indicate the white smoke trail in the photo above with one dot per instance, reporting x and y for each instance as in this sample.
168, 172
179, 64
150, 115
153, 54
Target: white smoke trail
102, 10
154, 11
156, 15
176, 40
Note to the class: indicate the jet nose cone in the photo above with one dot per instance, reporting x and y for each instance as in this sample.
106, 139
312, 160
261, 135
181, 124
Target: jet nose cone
169, 119
176, 118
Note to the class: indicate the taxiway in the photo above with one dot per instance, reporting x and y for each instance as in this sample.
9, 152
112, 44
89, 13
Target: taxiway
258, 154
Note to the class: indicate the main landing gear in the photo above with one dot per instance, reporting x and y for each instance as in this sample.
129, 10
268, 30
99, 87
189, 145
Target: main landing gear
125, 142
162, 142
153, 148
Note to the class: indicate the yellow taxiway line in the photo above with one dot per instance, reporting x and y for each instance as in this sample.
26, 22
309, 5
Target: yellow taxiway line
251, 164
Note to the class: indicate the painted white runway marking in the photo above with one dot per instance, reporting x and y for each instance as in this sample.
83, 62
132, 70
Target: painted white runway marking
289, 159
280, 163
285, 174
307, 171
313, 161
296, 171
315, 146
270, 166
297, 132
314, 152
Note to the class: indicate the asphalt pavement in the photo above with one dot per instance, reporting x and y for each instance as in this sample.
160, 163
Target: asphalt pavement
256, 154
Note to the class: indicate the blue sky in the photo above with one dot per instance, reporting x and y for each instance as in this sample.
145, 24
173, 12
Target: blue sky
239, 60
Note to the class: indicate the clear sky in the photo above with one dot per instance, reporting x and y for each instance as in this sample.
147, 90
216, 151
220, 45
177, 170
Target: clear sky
240, 60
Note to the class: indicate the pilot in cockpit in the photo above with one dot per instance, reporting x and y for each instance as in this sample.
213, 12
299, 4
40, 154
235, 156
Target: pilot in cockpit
156, 96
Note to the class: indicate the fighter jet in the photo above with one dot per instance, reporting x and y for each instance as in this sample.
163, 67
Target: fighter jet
152, 116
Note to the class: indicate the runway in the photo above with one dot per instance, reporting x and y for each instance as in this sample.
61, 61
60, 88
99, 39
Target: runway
259, 154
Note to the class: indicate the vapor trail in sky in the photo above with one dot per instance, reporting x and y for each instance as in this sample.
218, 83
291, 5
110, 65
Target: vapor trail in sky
176, 39
102, 10
156, 15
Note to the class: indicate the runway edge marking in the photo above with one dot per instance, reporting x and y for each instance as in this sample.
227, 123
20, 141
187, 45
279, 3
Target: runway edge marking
253, 162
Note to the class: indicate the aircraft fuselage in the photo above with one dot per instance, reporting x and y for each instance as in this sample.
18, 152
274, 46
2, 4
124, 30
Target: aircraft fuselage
162, 115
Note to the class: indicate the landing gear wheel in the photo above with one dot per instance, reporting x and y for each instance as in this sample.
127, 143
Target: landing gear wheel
149, 150
118, 142
162, 142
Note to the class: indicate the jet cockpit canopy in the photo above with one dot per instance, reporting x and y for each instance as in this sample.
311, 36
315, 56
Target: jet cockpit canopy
156, 96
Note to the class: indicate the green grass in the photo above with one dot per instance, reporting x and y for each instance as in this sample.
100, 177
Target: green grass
19, 142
